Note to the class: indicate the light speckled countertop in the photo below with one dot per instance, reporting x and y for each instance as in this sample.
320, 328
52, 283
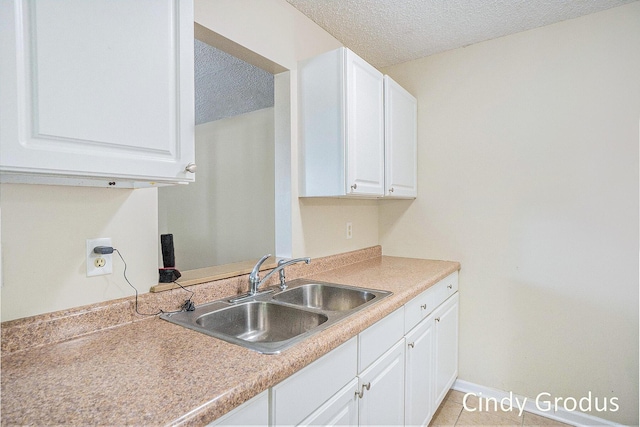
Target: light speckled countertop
152, 372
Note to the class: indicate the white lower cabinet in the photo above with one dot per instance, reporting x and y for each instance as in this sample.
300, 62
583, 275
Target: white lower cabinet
396, 372
446, 347
360, 382
419, 369
381, 390
431, 361
341, 409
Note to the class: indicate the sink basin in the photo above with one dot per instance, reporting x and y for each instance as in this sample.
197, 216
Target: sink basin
274, 321
261, 321
324, 296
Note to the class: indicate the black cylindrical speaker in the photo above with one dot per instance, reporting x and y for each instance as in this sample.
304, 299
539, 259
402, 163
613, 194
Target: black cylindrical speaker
168, 257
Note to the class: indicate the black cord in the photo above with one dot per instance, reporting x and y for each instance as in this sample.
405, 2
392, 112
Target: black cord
187, 306
184, 289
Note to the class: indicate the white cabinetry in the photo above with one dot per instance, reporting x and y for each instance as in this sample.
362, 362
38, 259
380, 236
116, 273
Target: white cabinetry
446, 347
374, 341
419, 374
432, 349
381, 390
358, 130
381, 372
360, 382
341, 409
341, 126
96, 92
401, 141
300, 395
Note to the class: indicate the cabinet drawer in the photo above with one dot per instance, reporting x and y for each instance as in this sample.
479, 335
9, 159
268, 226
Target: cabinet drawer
422, 305
253, 412
302, 393
374, 341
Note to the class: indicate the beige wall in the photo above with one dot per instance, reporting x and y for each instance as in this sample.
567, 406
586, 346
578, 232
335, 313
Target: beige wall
44, 232
324, 221
528, 175
227, 215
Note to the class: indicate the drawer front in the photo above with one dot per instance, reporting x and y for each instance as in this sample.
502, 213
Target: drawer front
422, 305
447, 287
302, 393
374, 341
252, 412
419, 307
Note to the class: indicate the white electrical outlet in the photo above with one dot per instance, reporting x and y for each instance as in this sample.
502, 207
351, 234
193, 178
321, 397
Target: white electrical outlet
98, 264
349, 230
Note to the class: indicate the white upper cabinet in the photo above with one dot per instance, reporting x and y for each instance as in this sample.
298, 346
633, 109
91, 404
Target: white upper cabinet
96, 92
365, 127
341, 126
358, 130
400, 118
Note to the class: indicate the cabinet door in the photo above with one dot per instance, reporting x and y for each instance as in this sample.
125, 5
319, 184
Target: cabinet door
382, 389
99, 88
401, 142
446, 347
419, 371
341, 409
365, 128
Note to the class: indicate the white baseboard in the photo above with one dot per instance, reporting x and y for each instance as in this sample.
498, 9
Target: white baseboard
574, 418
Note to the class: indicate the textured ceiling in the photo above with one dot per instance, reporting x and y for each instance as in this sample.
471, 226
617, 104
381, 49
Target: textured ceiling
226, 86
389, 32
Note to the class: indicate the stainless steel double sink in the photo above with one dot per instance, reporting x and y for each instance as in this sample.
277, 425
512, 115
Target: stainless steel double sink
272, 322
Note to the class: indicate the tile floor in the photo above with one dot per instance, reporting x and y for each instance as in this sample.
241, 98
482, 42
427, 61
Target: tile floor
452, 413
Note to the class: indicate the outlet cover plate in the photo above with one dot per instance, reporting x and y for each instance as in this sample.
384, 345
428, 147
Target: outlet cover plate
92, 270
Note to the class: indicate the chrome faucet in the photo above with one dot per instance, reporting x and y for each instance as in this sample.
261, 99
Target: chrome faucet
254, 278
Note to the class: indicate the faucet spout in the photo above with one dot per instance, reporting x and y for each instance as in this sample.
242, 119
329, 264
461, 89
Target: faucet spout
254, 278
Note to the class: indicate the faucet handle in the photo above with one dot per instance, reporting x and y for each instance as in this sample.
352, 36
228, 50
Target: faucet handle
283, 263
